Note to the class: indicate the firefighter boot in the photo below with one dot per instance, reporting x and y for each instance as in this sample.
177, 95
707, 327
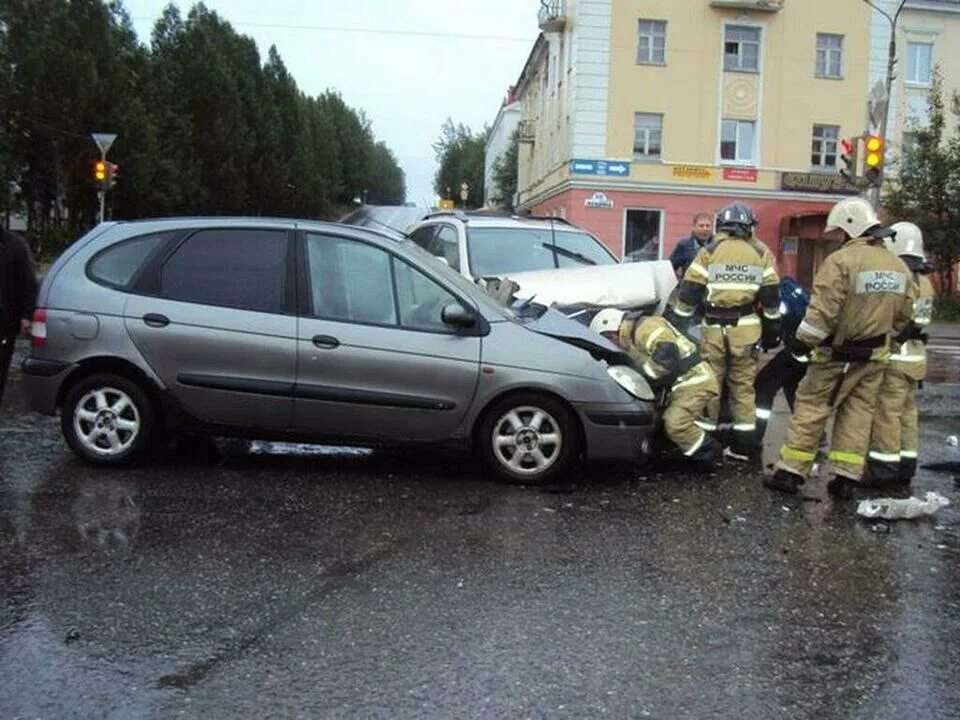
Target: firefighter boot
784, 481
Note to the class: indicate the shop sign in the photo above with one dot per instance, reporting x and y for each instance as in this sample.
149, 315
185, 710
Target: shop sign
817, 183
692, 172
598, 200
740, 174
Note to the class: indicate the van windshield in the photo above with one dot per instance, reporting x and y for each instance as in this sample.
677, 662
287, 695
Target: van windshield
500, 250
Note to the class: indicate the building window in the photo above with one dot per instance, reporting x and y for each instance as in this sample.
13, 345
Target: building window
647, 135
736, 141
909, 144
919, 63
741, 48
652, 42
824, 149
829, 55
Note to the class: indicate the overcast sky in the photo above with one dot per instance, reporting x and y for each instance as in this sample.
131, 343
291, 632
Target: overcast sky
409, 64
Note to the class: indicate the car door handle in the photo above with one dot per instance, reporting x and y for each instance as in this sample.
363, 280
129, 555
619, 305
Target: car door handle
326, 342
156, 320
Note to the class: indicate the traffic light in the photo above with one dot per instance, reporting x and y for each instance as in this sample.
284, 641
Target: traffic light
100, 171
849, 157
113, 172
873, 160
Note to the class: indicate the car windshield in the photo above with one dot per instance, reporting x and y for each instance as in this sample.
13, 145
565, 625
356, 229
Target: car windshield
500, 250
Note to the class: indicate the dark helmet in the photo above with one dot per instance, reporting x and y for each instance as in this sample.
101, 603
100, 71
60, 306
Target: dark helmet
736, 219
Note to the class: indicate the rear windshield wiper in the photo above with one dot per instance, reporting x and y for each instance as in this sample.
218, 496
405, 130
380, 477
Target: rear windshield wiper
573, 255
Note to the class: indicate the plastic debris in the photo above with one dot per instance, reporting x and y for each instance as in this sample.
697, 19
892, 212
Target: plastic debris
952, 441
901, 508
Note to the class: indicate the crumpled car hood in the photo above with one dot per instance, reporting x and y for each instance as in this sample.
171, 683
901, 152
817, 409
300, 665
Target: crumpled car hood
628, 285
557, 325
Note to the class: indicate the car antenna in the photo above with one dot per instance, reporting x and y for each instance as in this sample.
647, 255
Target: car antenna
553, 241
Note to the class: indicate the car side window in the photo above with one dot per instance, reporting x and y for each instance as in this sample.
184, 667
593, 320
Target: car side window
424, 236
237, 268
117, 264
447, 246
350, 281
421, 300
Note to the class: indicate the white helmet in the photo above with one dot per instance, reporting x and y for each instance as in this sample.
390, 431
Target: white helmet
607, 320
856, 217
907, 241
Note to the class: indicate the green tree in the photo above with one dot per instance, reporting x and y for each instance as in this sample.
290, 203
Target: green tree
927, 188
505, 174
386, 184
460, 153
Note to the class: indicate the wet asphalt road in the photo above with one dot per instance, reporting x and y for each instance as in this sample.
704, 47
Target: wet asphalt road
284, 585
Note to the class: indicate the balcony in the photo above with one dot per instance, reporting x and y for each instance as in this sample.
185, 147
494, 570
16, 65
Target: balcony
526, 131
551, 17
762, 5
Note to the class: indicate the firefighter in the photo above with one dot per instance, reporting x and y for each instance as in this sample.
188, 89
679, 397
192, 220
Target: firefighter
862, 296
895, 438
733, 281
670, 362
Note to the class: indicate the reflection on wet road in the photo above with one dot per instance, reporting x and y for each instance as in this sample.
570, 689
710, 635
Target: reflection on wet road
277, 582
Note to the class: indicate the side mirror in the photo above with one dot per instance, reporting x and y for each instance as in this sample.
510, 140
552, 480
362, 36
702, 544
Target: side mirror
458, 316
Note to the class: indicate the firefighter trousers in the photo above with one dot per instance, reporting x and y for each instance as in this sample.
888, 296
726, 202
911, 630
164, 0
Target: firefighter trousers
687, 405
732, 354
895, 434
848, 390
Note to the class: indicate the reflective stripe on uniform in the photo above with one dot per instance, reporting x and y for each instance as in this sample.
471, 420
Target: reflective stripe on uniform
745, 427
770, 271
884, 457
909, 454
695, 380
705, 425
650, 371
908, 358
732, 286
699, 269
789, 453
763, 413
812, 330
683, 313
654, 335
696, 445
772, 314
845, 457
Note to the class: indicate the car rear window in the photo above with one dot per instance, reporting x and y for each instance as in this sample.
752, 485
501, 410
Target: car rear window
499, 250
118, 264
237, 268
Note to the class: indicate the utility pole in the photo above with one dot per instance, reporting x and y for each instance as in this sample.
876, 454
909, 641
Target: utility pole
874, 193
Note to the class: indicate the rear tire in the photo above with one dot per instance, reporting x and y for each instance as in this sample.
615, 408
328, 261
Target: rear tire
529, 439
107, 419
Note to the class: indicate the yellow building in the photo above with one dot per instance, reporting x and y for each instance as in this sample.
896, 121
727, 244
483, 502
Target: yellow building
637, 114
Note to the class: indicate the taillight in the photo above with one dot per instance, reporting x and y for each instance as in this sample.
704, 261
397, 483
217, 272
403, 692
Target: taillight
38, 329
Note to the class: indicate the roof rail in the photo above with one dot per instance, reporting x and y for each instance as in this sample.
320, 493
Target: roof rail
547, 217
458, 214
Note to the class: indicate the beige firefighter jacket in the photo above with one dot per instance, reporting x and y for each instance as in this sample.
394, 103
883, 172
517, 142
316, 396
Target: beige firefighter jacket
862, 294
730, 273
641, 337
910, 356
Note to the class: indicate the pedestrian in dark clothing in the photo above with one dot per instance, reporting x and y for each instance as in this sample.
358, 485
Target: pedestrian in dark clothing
687, 249
18, 295
783, 371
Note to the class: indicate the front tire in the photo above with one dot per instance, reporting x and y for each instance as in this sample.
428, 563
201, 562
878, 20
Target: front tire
107, 419
529, 439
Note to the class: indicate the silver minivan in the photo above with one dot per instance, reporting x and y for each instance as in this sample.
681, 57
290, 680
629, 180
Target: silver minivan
318, 332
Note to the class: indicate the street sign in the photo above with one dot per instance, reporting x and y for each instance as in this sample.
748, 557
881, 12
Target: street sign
600, 167
104, 141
